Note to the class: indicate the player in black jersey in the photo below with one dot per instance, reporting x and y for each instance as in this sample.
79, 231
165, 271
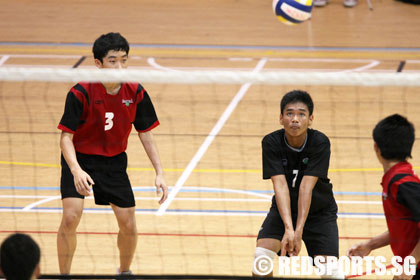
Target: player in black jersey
296, 159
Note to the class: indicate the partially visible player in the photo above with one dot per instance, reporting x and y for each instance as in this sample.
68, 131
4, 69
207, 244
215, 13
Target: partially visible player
394, 139
96, 123
19, 257
296, 159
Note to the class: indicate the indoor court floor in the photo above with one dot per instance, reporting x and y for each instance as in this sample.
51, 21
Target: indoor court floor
210, 226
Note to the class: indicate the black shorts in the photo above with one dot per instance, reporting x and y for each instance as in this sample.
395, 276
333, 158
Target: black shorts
320, 232
109, 174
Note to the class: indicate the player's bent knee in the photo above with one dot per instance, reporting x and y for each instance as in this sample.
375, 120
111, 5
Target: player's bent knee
263, 261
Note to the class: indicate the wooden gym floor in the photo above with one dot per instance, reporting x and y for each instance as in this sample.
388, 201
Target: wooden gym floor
211, 225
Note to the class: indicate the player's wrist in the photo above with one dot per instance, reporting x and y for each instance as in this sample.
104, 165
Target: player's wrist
159, 171
75, 170
370, 245
289, 228
299, 231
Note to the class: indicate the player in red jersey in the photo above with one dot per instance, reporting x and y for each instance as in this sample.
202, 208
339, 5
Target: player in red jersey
394, 139
96, 123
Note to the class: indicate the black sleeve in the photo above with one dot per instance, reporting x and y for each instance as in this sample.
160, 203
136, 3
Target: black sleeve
408, 194
72, 112
319, 159
272, 163
146, 117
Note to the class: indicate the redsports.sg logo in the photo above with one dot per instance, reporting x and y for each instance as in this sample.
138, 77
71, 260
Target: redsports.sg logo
304, 266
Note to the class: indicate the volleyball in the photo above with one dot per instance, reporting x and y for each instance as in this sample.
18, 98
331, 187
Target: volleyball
292, 12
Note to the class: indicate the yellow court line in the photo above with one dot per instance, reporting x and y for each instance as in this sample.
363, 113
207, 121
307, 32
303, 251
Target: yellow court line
28, 164
358, 169
195, 170
191, 52
80, 51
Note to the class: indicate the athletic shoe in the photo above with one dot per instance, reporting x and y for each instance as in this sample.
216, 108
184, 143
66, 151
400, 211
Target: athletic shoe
124, 272
350, 3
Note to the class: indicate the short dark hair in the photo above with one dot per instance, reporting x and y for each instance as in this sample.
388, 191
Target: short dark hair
394, 136
295, 96
107, 42
19, 256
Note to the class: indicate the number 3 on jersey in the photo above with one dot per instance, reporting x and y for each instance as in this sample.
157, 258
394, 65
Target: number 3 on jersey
108, 120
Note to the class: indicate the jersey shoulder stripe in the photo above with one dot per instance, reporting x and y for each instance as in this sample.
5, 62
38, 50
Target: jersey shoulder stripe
82, 90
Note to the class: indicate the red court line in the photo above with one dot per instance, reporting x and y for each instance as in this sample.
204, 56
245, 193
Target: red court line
364, 273
160, 234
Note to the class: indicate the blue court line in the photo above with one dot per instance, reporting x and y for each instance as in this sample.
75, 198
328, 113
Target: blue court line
28, 188
135, 189
187, 211
358, 193
189, 46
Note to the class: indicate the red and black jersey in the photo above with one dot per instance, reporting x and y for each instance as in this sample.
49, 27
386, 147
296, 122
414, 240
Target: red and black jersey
100, 122
401, 201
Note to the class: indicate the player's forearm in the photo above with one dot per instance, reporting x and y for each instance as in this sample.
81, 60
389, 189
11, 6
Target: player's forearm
305, 200
69, 152
282, 194
379, 241
148, 142
283, 205
304, 204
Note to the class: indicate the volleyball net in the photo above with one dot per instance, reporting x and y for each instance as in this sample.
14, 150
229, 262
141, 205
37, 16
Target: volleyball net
212, 123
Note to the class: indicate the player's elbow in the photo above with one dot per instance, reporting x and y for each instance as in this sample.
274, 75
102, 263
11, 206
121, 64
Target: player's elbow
65, 139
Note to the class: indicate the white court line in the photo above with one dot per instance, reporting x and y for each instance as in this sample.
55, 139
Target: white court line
209, 199
32, 205
358, 202
362, 68
223, 68
267, 198
240, 59
31, 196
351, 60
152, 62
3, 59
229, 191
24, 196
186, 213
361, 202
197, 157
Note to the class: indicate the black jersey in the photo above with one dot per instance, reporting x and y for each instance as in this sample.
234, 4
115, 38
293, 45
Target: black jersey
311, 159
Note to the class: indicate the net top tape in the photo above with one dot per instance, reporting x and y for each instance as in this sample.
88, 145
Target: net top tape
209, 77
